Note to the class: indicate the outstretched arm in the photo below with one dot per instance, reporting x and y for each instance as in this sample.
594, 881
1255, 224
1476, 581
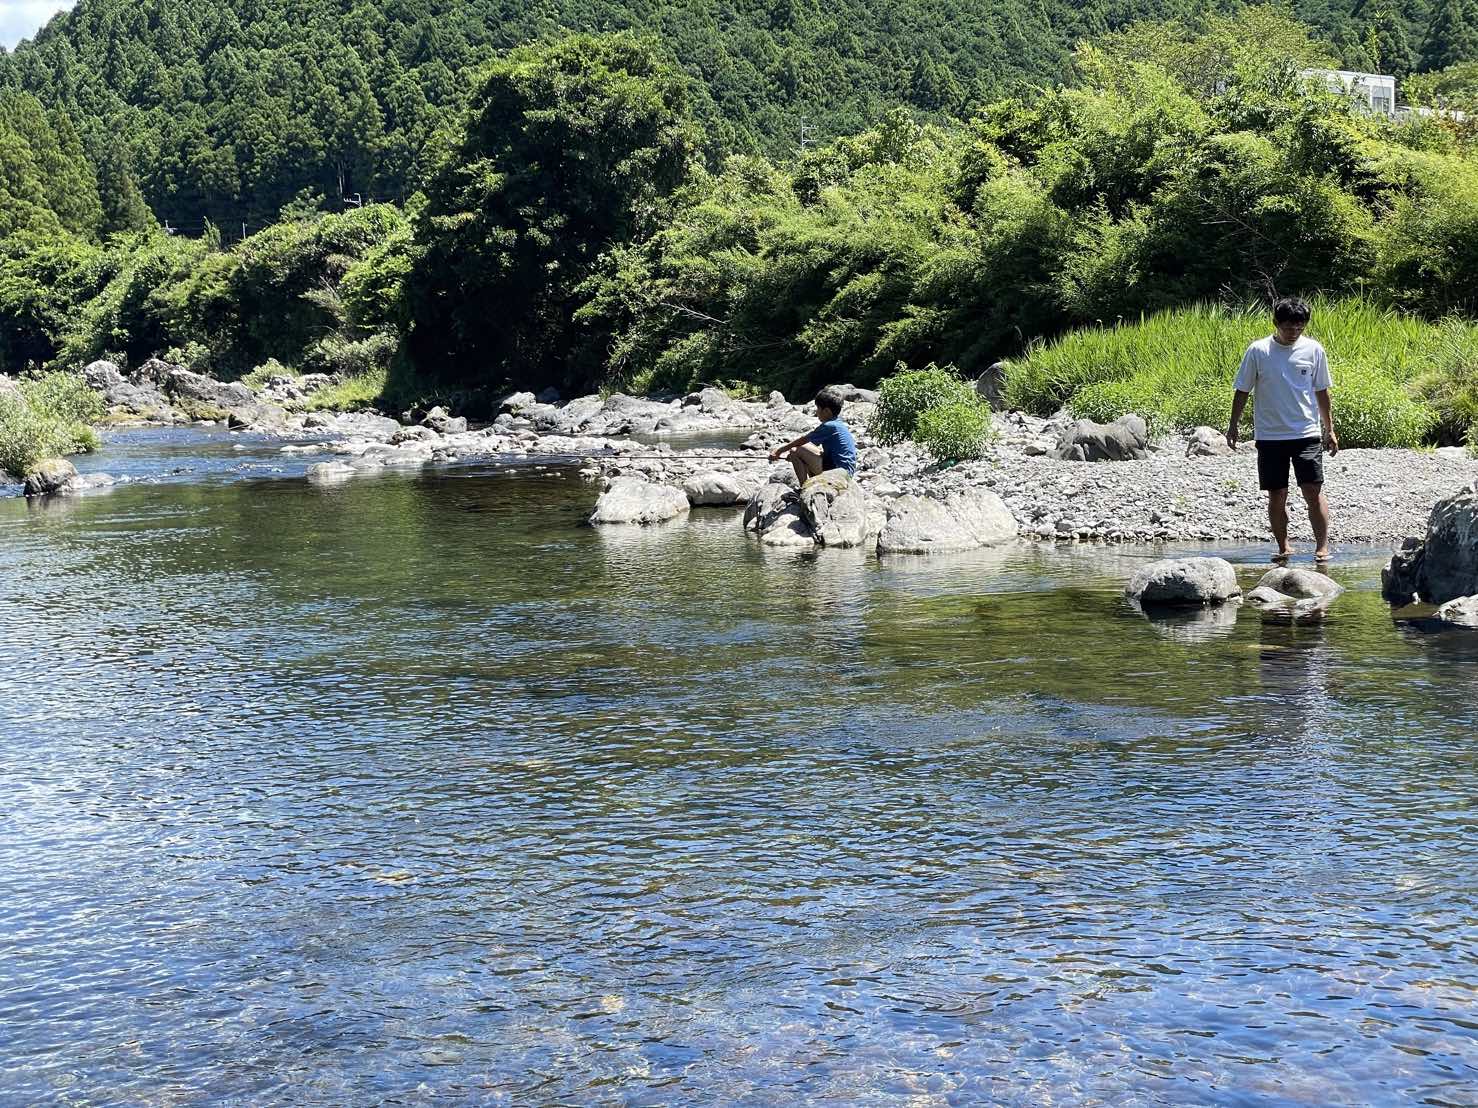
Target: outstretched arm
780, 451
1326, 418
1239, 401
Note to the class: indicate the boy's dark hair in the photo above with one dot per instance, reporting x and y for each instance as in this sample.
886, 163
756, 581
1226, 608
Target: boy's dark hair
828, 399
1291, 309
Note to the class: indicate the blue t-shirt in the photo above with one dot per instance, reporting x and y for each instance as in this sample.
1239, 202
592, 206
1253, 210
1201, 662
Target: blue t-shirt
838, 447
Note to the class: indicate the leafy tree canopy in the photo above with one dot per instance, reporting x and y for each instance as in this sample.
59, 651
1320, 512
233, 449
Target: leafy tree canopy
226, 111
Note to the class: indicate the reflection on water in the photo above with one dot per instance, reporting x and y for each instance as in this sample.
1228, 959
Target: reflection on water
1194, 625
417, 789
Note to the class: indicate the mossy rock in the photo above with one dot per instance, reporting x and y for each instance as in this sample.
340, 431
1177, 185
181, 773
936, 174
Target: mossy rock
50, 475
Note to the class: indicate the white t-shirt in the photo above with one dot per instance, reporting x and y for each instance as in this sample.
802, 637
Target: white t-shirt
1285, 379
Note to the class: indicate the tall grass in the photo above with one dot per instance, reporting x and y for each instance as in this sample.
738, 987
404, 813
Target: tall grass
46, 416
1398, 380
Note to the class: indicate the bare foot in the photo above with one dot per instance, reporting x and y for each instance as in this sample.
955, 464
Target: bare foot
1321, 555
1282, 555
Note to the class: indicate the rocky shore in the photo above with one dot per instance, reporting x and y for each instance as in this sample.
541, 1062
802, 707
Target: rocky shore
1176, 490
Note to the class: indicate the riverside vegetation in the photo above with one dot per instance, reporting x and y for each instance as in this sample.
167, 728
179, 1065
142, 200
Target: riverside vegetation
1102, 234
45, 416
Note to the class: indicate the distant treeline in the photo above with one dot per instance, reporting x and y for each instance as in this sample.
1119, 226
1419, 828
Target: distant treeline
227, 111
572, 231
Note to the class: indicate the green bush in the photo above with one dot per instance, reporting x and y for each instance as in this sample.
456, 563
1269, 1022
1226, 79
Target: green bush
45, 418
62, 396
353, 394
1370, 410
261, 374
1450, 385
908, 394
956, 430
350, 357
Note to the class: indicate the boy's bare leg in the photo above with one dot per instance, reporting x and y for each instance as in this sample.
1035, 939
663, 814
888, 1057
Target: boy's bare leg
807, 462
1318, 518
1278, 520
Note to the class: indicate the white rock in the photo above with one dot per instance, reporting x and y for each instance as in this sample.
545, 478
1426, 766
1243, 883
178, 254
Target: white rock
788, 528
1184, 581
631, 500
1462, 612
715, 489
963, 520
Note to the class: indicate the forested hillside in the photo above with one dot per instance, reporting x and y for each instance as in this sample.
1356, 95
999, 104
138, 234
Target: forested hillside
226, 111
574, 223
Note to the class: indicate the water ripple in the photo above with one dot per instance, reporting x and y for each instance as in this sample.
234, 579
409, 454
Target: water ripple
417, 791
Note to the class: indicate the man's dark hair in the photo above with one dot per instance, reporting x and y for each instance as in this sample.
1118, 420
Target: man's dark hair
829, 400
1291, 309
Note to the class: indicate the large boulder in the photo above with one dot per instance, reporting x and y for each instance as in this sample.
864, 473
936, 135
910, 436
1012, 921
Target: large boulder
516, 401
154, 372
1462, 612
718, 490
788, 527
414, 434
1300, 584
1125, 439
102, 375
48, 476
1444, 565
1176, 581
715, 401
990, 386
355, 425
774, 515
1401, 579
851, 394
835, 507
630, 500
443, 422
963, 520
1207, 442
572, 419
766, 504
1294, 593
620, 414
1450, 566
200, 389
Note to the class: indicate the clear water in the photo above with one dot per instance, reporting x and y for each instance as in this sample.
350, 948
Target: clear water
416, 790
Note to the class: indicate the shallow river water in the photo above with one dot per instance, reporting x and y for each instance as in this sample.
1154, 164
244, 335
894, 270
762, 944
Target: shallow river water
417, 790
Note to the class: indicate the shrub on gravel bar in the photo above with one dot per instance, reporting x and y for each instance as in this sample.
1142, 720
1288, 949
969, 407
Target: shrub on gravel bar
956, 430
46, 416
908, 394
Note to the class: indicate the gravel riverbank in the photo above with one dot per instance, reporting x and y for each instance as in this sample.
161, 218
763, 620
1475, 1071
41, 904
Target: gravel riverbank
1377, 496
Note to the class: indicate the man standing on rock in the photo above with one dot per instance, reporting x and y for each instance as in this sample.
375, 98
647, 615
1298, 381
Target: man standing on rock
1292, 419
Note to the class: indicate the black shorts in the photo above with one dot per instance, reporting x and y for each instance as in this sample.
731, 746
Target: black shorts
1273, 456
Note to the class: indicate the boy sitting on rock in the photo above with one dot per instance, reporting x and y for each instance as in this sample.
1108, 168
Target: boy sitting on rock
829, 446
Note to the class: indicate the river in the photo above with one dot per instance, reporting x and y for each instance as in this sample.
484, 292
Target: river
417, 790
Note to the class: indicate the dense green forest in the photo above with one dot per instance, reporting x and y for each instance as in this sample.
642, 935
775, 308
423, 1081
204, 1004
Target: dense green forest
574, 225
226, 111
